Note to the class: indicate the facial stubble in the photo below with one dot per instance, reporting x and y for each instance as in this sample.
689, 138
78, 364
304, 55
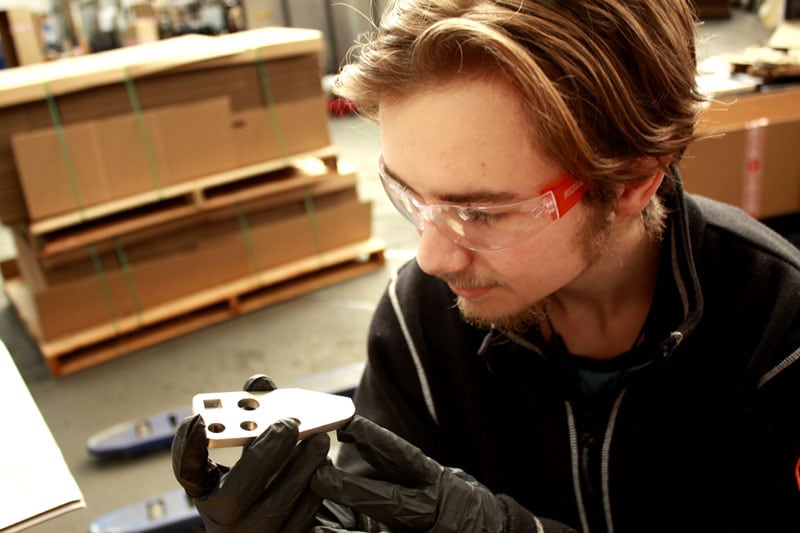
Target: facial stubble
594, 244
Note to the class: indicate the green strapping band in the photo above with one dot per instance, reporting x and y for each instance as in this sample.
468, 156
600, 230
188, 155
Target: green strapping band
55, 115
269, 100
248, 241
101, 278
125, 266
308, 200
143, 135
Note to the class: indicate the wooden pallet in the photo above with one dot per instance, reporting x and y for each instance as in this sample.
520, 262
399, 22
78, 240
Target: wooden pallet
103, 342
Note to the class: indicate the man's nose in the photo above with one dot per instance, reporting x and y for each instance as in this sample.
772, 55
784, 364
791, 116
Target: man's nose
437, 254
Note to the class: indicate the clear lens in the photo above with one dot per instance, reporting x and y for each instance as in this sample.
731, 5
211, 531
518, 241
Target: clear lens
402, 201
475, 227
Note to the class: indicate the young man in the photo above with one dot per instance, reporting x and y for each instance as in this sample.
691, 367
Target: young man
579, 345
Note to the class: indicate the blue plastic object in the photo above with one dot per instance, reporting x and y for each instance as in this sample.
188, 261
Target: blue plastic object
135, 437
168, 513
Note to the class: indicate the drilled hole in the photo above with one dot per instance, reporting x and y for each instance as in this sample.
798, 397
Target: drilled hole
248, 425
248, 404
216, 427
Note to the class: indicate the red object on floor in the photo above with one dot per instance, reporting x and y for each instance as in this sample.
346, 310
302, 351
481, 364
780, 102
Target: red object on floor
341, 107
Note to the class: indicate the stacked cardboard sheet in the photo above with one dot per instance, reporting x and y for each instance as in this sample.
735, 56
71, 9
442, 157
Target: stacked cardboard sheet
107, 125
147, 185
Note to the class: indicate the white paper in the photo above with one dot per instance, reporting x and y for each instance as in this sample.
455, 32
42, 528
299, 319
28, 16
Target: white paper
787, 35
36, 484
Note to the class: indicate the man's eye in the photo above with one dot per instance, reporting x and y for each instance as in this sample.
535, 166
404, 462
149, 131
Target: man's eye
480, 217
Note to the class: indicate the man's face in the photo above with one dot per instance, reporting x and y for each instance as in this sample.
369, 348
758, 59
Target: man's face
468, 144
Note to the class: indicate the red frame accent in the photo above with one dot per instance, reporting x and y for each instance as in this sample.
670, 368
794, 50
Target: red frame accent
797, 473
567, 191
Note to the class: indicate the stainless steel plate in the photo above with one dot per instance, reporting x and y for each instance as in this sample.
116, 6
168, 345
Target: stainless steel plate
236, 418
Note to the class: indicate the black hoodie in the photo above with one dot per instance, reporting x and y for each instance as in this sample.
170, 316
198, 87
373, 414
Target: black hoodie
699, 431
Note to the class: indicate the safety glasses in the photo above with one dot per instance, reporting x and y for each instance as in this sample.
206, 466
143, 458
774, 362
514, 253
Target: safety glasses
487, 227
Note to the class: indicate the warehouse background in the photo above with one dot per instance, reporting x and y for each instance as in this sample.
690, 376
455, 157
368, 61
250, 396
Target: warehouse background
103, 24
313, 339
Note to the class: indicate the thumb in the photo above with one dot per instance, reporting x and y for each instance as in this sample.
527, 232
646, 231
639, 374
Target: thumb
353, 490
327, 482
392, 456
190, 462
259, 383
385, 502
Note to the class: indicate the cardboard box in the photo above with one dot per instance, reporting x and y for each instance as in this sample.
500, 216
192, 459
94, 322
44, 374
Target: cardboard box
751, 157
143, 28
114, 292
21, 37
107, 159
143, 9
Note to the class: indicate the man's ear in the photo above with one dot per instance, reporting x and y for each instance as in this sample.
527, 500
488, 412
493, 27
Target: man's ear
635, 196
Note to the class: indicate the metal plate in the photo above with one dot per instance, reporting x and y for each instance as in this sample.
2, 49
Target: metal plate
236, 418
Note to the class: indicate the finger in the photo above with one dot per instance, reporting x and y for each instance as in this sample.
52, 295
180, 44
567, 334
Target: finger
286, 492
394, 457
385, 502
259, 383
193, 469
307, 456
334, 514
262, 517
304, 514
259, 463
295, 477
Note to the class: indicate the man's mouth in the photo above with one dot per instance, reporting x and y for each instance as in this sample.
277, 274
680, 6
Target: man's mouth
469, 293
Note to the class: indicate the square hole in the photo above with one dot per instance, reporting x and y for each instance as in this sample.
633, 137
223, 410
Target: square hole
212, 403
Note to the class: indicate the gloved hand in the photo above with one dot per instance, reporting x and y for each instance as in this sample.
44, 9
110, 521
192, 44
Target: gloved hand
417, 493
266, 491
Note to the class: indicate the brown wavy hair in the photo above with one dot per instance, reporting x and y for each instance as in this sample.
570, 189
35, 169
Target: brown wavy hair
609, 85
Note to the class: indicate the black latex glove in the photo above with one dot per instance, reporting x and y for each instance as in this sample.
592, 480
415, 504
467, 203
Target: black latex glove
417, 493
266, 491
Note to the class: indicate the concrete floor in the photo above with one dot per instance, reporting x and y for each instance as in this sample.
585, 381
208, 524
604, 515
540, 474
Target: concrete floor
312, 334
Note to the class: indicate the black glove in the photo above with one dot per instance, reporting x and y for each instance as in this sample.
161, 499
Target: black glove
266, 491
418, 492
